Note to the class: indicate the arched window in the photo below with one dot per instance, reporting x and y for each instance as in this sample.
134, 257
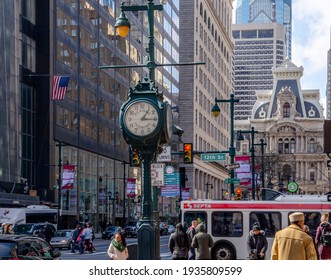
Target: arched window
201, 10
292, 145
312, 146
286, 110
280, 146
286, 146
287, 172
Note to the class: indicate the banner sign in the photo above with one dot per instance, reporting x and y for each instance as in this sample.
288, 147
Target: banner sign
68, 176
244, 171
131, 187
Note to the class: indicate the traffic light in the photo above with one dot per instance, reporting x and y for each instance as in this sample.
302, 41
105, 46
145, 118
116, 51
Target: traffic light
238, 194
134, 158
188, 153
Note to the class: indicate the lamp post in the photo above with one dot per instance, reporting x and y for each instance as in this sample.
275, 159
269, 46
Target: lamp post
262, 144
240, 138
59, 183
232, 151
146, 125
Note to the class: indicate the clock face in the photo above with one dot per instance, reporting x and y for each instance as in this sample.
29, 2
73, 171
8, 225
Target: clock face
141, 118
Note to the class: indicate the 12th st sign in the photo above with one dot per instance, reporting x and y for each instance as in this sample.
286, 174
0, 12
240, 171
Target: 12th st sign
213, 157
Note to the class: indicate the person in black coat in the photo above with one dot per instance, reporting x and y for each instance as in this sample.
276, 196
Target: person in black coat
257, 243
179, 243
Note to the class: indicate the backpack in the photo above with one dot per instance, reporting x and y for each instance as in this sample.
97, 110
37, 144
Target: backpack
326, 236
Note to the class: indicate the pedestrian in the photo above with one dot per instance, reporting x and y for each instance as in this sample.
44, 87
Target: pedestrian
202, 242
75, 236
10, 229
7, 228
323, 247
87, 236
191, 232
257, 243
48, 232
117, 249
179, 243
292, 243
41, 233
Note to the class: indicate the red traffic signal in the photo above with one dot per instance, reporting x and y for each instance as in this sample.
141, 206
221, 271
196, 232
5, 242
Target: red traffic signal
238, 193
188, 153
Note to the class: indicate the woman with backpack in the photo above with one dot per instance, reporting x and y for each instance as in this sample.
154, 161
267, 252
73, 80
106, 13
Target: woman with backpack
323, 238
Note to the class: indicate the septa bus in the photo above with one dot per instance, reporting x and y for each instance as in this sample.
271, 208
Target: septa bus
29, 214
229, 222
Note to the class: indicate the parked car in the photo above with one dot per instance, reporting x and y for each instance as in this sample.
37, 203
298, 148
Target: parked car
110, 232
25, 247
31, 228
171, 229
62, 239
131, 229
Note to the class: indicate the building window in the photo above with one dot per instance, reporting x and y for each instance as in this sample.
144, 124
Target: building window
292, 146
280, 146
286, 110
311, 176
312, 146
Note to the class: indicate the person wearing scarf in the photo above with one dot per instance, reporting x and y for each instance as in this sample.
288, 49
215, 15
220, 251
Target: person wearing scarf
117, 249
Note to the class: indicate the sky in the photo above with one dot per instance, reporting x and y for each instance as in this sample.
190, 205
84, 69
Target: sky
311, 25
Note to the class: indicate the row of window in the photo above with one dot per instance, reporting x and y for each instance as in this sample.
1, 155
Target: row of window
230, 223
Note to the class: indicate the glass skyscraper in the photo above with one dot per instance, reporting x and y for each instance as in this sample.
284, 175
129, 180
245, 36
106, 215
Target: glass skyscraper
264, 11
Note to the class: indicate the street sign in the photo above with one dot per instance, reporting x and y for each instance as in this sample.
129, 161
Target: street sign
213, 157
230, 181
233, 166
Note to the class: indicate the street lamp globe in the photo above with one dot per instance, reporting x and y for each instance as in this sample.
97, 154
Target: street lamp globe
216, 110
122, 25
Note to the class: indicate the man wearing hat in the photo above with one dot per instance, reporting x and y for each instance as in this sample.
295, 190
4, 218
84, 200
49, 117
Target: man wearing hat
257, 244
292, 243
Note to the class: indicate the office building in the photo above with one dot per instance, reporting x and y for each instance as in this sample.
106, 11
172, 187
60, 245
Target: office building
266, 11
258, 48
205, 36
42, 137
290, 121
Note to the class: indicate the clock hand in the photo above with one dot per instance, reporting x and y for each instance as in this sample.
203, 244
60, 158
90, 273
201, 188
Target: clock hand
144, 116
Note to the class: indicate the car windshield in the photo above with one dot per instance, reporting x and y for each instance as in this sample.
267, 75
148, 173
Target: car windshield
112, 228
23, 229
62, 234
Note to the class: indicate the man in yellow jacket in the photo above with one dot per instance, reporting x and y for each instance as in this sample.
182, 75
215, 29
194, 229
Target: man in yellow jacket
292, 243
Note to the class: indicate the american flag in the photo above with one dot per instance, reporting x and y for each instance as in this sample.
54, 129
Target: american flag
59, 87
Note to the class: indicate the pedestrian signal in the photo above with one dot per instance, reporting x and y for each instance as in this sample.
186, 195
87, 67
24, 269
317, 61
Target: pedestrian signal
135, 160
238, 194
188, 153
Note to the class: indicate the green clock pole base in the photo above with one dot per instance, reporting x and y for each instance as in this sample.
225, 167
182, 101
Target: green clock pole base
146, 242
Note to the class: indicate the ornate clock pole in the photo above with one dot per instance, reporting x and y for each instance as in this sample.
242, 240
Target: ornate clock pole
146, 123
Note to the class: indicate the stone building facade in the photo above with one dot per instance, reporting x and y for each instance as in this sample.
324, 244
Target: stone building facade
290, 120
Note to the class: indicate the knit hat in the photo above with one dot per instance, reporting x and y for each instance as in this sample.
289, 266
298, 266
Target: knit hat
296, 216
325, 217
256, 226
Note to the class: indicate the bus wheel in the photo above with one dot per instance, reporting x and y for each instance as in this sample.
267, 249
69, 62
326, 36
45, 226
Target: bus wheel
223, 252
